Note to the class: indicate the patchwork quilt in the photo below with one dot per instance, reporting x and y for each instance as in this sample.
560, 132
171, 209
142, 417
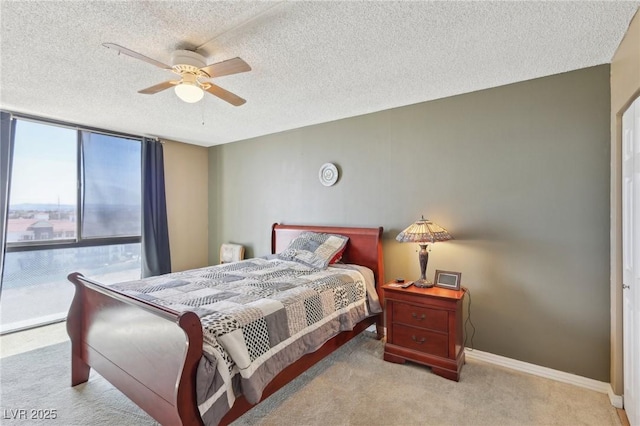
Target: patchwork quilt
259, 316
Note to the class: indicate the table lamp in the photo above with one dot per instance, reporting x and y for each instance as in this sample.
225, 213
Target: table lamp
423, 232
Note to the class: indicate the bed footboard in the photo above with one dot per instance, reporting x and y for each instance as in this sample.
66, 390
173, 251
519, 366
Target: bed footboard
150, 354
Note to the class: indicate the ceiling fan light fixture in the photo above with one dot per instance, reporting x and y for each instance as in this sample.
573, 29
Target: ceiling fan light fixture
194, 74
189, 92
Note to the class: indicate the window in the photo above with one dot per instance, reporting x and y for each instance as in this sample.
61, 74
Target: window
74, 205
44, 180
112, 176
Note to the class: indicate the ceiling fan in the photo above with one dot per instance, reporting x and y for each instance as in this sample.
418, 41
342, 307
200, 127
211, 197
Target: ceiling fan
193, 72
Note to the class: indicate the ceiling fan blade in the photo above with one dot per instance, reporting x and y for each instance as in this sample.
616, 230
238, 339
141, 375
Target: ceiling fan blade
230, 66
136, 55
159, 87
225, 95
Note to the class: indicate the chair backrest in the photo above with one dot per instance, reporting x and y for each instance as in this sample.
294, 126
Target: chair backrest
231, 252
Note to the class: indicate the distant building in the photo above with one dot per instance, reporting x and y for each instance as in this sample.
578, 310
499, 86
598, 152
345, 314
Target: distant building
19, 230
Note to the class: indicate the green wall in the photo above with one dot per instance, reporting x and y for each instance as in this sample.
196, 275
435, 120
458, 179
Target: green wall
518, 174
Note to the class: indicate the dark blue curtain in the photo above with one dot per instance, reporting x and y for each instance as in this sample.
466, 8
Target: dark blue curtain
156, 258
7, 135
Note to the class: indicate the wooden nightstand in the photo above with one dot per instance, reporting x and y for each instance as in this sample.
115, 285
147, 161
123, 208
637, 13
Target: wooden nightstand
424, 325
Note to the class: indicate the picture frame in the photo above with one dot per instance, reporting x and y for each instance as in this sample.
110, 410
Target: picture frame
448, 279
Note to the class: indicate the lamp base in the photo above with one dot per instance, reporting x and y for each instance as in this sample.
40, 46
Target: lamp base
423, 284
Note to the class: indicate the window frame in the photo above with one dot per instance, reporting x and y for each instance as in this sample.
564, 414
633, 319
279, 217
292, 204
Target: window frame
79, 240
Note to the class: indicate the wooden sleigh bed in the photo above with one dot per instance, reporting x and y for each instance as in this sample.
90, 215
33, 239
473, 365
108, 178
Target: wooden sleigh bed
151, 353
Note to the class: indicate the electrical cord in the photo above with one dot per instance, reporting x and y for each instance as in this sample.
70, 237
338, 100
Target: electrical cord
468, 320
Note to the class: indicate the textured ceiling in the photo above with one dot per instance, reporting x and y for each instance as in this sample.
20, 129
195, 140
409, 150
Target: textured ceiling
312, 61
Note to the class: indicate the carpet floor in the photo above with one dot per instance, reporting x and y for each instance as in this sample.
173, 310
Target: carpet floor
353, 386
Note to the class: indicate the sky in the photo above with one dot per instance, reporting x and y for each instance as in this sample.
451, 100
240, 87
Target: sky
45, 171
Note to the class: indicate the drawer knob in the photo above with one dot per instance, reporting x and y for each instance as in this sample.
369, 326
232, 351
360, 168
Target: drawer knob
415, 316
421, 341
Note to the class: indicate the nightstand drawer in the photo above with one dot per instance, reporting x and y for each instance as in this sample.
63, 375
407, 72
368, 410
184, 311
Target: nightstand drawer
421, 340
419, 316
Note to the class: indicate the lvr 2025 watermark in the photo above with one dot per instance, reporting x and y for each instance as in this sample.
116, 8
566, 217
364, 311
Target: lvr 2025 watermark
29, 414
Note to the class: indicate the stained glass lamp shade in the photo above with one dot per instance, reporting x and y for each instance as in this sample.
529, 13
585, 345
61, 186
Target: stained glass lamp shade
423, 232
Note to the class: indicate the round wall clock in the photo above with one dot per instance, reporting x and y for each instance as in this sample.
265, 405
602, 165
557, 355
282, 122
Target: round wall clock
328, 174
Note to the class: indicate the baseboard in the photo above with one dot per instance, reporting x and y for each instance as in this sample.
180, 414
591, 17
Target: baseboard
13, 327
549, 373
616, 400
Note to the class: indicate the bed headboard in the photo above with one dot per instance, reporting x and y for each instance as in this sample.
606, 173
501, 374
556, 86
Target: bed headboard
364, 246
